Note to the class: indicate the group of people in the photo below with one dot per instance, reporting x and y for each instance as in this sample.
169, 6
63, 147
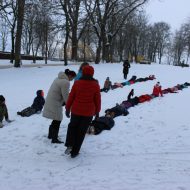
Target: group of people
106, 122
82, 103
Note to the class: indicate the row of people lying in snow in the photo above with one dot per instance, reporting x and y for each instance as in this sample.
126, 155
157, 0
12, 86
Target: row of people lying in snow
108, 84
107, 122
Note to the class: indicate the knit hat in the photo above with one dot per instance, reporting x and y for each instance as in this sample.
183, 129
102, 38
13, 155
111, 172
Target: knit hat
107, 78
88, 70
2, 99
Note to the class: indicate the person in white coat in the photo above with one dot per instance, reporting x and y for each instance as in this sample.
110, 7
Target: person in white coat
56, 98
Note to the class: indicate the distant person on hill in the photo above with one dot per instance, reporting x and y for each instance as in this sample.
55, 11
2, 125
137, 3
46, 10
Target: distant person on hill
56, 98
3, 111
157, 90
36, 107
79, 74
107, 85
126, 66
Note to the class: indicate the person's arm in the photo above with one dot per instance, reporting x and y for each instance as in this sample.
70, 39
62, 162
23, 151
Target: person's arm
97, 100
65, 90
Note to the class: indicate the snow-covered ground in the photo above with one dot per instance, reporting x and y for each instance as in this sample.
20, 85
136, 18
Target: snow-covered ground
147, 150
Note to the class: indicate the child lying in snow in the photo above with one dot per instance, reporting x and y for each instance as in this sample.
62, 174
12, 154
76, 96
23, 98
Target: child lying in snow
36, 107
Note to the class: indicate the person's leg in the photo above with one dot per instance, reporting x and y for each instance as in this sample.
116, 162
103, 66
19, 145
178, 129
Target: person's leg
80, 134
55, 130
71, 130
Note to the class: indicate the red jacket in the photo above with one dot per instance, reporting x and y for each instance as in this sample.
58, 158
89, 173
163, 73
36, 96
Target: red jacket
157, 90
84, 98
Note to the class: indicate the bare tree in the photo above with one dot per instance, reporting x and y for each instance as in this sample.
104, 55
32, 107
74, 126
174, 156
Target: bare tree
3, 34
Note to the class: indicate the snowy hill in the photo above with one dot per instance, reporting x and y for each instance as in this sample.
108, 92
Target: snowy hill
147, 150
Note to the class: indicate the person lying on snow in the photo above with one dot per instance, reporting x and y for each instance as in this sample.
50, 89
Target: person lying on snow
36, 107
101, 123
117, 110
3, 111
150, 77
107, 85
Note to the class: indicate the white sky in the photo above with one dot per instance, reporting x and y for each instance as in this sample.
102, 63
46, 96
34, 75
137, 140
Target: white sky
174, 12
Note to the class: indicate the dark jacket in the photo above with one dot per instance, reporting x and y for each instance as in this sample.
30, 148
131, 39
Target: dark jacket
3, 112
102, 123
38, 102
126, 66
118, 110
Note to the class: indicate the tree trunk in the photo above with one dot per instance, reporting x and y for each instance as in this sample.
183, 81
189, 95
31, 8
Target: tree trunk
20, 18
98, 51
74, 44
12, 45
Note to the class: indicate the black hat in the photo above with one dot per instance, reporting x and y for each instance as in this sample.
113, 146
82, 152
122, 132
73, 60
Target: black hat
2, 99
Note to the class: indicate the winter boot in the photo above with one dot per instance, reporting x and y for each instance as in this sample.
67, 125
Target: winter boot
55, 130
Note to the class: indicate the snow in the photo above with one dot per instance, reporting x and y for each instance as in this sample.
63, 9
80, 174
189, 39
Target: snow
148, 149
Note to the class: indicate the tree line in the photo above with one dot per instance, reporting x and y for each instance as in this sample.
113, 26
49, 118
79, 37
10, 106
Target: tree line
113, 29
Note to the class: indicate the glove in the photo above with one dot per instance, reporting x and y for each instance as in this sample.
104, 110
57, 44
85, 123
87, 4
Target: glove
67, 113
1, 125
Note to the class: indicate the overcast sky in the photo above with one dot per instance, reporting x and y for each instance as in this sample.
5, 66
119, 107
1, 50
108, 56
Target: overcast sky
174, 12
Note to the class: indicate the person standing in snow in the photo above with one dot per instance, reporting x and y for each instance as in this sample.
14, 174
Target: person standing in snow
3, 111
57, 97
126, 66
84, 102
79, 74
157, 90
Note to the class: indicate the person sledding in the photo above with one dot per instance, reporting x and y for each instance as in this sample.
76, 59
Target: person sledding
36, 107
3, 112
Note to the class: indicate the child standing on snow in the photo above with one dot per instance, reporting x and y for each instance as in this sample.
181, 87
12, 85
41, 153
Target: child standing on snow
3, 111
36, 107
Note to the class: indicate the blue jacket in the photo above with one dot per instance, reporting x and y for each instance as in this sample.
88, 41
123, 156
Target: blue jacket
78, 76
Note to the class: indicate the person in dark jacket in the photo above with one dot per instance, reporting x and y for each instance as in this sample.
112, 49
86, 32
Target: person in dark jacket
102, 123
84, 102
118, 110
3, 111
36, 107
126, 66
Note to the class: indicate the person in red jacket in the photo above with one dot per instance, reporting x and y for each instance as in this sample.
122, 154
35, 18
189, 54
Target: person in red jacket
84, 102
157, 90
